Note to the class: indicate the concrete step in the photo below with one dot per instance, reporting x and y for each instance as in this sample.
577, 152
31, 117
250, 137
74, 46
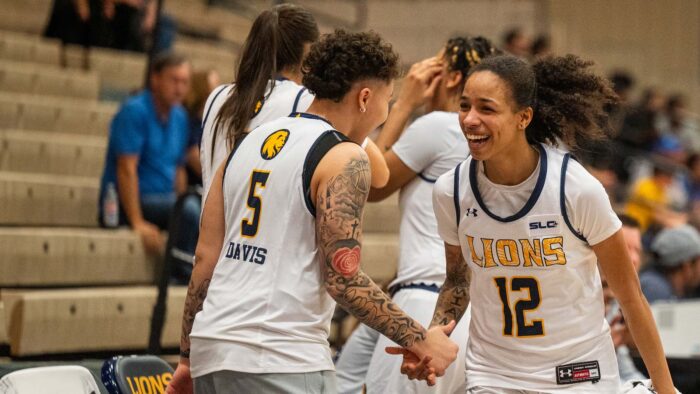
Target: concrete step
87, 319
33, 78
65, 115
48, 200
46, 257
52, 153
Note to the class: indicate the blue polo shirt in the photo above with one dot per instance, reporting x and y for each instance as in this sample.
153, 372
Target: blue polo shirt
161, 146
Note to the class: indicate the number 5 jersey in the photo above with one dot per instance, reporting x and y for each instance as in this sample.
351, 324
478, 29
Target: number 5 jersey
267, 310
536, 296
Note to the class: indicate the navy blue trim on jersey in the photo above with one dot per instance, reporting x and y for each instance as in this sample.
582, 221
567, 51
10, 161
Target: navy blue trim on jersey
211, 104
318, 150
309, 116
458, 211
296, 100
422, 286
281, 78
562, 198
541, 177
425, 178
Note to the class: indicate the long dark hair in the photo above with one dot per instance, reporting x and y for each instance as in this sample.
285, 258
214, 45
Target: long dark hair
567, 98
275, 43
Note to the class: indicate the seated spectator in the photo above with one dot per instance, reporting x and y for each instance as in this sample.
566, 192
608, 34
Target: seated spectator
146, 154
203, 83
622, 340
676, 269
541, 47
516, 43
692, 184
649, 196
674, 121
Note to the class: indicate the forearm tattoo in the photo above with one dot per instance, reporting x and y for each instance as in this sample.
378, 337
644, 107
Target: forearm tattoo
193, 304
454, 295
339, 234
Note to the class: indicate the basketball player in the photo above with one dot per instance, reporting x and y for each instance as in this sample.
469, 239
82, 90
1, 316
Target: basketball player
524, 225
429, 147
268, 86
292, 194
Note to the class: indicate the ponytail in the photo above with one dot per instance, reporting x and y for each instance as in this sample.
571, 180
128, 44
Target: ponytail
256, 67
567, 98
275, 43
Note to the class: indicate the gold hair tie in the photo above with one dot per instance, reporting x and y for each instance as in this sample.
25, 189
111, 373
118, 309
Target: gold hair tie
469, 58
475, 55
454, 59
455, 49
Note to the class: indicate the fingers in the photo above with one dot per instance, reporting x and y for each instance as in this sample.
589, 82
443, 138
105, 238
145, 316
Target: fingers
396, 350
447, 329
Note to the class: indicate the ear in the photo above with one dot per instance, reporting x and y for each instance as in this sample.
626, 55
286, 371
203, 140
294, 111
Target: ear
363, 97
524, 118
454, 78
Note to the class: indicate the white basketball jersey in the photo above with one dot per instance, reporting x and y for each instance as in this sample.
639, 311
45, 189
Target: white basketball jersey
287, 97
431, 146
537, 305
267, 310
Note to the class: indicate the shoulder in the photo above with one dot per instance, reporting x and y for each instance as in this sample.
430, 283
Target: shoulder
216, 99
579, 182
136, 105
444, 185
436, 120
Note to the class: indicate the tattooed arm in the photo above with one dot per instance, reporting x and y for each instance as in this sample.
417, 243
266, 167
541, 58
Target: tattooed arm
211, 239
341, 184
454, 295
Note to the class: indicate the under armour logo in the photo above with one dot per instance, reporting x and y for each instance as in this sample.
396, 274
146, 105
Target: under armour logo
471, 211
565, 373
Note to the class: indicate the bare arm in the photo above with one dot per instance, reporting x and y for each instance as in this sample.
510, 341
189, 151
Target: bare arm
454, 295
340, 198
401, 174
211, 240
378, 167
180, 180
622, 279
128, 186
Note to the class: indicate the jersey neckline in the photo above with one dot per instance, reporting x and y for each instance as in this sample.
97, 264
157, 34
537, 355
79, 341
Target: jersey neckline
310, 116
541, 177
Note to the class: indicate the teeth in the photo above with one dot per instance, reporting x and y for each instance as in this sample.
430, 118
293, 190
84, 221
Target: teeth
474, 137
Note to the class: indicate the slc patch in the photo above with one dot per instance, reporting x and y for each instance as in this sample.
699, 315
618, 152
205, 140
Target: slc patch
273, 144
588, 371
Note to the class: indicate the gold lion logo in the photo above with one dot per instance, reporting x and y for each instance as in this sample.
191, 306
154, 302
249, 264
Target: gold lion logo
273, 144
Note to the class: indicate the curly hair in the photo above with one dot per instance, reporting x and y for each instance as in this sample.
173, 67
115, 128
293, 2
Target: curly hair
340, 59
567, 98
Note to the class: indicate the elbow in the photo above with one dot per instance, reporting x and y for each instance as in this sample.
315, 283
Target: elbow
380, 178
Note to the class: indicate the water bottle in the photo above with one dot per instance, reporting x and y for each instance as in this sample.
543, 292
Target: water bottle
110, 207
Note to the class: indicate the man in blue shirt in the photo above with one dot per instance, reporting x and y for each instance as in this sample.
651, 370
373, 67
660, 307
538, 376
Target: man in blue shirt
676, 271
146, 153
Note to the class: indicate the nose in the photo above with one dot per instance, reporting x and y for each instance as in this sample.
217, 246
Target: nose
471, 120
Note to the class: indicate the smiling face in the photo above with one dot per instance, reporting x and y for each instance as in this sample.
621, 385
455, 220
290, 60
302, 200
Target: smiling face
490, 119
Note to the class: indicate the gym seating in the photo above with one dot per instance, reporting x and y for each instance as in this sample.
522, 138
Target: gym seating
31, 78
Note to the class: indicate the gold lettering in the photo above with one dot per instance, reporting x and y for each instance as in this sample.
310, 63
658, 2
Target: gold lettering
531, 253
488, 253
507, 252
143, 385
554, 247
156, 385
167, 377
475, 259
131, 386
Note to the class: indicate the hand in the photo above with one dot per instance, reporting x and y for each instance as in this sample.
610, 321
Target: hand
419, 85
83, 10
182, 380
413, 366
437, 346
150, 236
620, 333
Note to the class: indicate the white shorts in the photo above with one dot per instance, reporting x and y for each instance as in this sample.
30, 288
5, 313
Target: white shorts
384, 374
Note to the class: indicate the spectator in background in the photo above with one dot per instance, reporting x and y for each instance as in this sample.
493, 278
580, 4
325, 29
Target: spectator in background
676, 270
619, 331
146, 155
692, 184
541, 47
203, 83
674, 122
639, 128
516, 43
649, 197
